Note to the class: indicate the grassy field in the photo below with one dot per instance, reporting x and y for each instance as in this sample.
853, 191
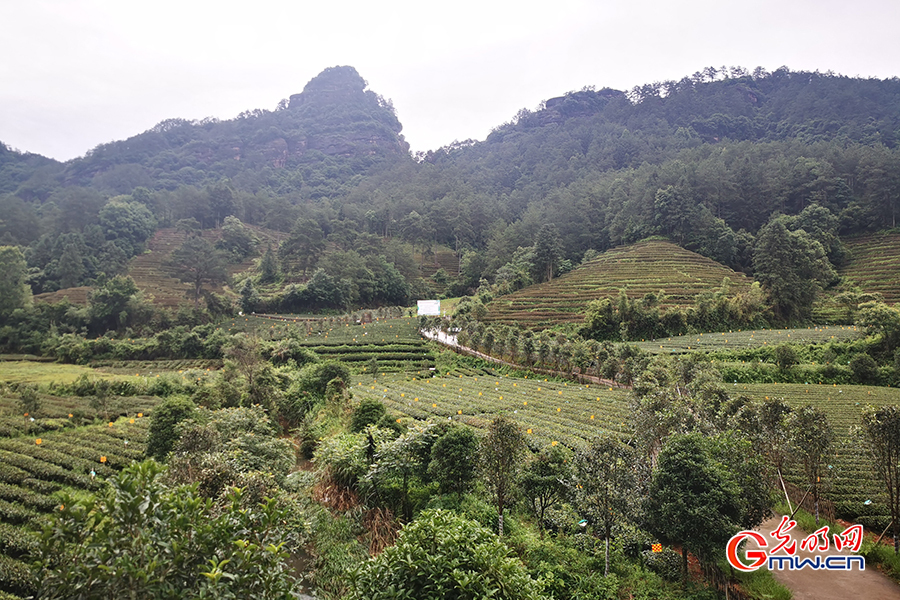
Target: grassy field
739, 340
24, 371
645, 267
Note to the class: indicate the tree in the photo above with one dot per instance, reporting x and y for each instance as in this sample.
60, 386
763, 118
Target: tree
197, 262
607, 484
501, 456
166, 416
792, 266
268, 267
14, 289
109, 302
544, 480
71, 266
812, 438
245, 353
444, 555
774, 434
305, 243
369, 412
237, 240
454, 459
881, 429
129, 224
100, 399
674, 213
786, 356
864, 367
221, 200
142, 539
547, 252
692, 499
29, 400
879, 318
404, 458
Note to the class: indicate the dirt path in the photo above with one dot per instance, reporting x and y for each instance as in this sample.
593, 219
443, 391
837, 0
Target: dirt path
450, 341
809, 584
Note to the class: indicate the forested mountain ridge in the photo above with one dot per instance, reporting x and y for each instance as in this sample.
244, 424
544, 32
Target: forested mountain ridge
334, 116
707, 162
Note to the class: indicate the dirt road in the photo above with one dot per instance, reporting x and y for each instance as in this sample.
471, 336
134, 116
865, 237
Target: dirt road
809, 584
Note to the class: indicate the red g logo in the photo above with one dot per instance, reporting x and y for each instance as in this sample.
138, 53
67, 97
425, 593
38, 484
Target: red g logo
757, 556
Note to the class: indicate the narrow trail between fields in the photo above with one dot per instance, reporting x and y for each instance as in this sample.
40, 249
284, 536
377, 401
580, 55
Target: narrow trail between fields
810, 584
449, 340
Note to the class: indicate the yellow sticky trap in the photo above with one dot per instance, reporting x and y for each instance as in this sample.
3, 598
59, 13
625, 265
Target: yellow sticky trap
103, 459
38, 441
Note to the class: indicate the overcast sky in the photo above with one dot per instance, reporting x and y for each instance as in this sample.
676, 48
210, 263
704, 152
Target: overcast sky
78, 73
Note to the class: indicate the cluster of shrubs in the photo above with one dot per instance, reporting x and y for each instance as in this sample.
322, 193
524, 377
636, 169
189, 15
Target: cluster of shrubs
202, 341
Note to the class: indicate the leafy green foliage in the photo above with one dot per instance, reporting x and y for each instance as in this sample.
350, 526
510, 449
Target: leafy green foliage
368, 412
545, 480
881, 431
14, 290
454, 459
607, 484
793, 266
692, 499
163, 425
112, 303
237, 241
443, 555
231, 447
812, 438
501, 452
198, 263
142, 539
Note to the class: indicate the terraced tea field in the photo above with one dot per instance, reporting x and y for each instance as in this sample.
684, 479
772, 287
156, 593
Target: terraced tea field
43, 457
550, 412
874, 264
849, 479
394, 343
645, 267
151, 275
570, 414
741, 340
75, 295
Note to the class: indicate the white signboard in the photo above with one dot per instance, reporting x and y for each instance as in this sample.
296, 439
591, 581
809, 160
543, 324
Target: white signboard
431, 308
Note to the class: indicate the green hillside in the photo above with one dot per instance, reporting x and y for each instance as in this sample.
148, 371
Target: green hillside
874, 264
643, 268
